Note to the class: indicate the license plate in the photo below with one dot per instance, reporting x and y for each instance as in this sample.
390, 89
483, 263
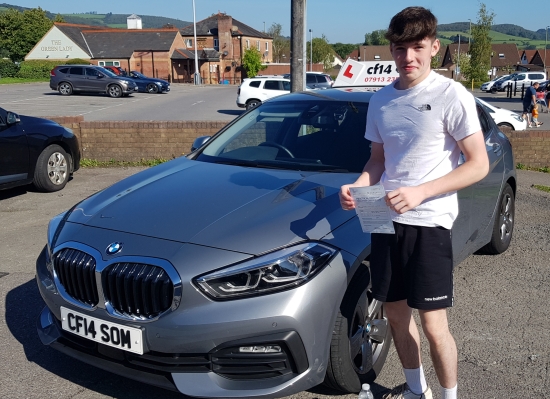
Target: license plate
104, 332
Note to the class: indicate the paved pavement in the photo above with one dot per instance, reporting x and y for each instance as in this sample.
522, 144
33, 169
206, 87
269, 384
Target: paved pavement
500, 321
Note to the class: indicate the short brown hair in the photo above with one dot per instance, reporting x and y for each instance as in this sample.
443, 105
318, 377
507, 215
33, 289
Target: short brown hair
411, 25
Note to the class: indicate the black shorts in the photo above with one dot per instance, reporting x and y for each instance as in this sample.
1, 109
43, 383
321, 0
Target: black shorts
527, 108
416, 264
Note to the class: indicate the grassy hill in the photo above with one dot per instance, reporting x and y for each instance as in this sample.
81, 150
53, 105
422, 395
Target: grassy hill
108, 20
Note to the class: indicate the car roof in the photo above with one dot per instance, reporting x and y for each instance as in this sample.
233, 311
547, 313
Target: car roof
352, 94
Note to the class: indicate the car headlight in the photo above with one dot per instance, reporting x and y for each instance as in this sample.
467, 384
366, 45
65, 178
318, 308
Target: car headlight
280, 270
125, 82
158, 84
517, 117
53, 226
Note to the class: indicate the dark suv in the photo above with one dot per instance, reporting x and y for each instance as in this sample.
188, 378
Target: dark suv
90, 78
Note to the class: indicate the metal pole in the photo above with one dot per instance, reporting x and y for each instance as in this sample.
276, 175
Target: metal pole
545, 45
470, 34
458, 58
297, 36
197, 72
310, 50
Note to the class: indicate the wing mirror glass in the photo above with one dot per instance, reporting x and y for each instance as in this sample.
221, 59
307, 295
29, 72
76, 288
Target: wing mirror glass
12, 118
199, 142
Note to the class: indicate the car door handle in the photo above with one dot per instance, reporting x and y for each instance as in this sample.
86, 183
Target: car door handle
496, 147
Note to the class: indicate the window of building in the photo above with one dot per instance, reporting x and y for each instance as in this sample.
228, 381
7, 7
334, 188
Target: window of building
501, 56
376, 57
247, 44
266, 46
108, 63
189, 42
258, 45
217, 44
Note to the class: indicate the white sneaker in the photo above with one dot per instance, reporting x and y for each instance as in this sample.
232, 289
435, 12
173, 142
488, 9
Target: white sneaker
403, 392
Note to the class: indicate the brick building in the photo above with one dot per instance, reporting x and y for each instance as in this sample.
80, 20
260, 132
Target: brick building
164, 53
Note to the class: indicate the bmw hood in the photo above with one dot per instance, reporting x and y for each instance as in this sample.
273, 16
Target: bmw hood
248, 210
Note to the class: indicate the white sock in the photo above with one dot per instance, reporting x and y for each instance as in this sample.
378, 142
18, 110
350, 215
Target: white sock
448, 393
416, 380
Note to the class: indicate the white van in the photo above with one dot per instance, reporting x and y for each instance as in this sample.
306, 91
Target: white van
525, 79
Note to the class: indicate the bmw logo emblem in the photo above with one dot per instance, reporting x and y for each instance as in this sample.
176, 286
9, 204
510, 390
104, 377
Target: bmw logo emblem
114, 248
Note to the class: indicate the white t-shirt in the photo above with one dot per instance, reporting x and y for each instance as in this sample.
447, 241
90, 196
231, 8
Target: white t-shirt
419, 128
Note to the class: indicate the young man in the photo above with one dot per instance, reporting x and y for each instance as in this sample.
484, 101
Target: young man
418, 125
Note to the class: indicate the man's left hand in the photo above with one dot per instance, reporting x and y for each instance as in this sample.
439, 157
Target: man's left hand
405, 198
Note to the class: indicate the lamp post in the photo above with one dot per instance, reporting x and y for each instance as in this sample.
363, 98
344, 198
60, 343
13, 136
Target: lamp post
470, 33
545, 45
197, 73
310, 50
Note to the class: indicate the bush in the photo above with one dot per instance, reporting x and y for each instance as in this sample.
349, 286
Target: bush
8, 69
40, 69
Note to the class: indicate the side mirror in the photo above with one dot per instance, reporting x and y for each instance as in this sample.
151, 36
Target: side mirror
100, 76
199, 142
12, 118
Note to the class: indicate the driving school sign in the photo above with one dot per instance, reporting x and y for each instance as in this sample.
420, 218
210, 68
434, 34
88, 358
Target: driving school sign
366, 73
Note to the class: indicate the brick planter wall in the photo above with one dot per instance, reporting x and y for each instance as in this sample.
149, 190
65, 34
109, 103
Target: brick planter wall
135, 141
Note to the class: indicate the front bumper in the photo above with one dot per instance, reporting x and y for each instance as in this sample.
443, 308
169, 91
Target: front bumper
187, 349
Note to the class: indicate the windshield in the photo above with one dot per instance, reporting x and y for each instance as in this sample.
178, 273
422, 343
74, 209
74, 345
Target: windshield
108, 72
137, 74
306, 135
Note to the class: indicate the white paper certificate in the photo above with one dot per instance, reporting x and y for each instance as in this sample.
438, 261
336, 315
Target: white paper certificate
371, 208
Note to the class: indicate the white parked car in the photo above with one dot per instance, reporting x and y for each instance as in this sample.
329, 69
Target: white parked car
254, 91
505, 117
487, 86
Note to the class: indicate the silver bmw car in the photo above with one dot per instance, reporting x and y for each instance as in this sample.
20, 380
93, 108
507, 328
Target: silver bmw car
233, 271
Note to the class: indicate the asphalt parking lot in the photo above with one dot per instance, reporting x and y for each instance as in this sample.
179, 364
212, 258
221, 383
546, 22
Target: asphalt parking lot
500, 321
183, 102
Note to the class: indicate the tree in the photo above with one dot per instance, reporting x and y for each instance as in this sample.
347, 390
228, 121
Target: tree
436, 61
480, 50
281, 45
376, 38
59, 18
322, 52
343, 50
252, 62
463, 62
20, 31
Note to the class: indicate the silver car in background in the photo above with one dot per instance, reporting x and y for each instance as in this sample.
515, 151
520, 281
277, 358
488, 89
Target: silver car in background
233, 272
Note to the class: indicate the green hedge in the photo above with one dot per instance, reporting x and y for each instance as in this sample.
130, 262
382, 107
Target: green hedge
8, 69
40, 69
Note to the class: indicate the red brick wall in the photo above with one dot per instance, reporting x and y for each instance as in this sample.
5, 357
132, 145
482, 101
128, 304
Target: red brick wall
531, 147
134, 141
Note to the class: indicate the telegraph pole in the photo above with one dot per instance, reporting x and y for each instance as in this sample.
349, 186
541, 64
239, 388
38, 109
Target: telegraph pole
297, 35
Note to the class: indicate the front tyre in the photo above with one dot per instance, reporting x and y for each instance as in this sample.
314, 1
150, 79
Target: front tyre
152, 88
114, 91
361, 338
252, 103
52, 169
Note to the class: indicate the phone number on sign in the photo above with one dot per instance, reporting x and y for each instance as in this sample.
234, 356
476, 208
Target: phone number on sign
380, 79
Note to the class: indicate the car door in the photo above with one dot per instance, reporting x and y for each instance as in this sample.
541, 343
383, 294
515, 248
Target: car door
77, 78
487, 191
95, 80
272, 88
14, 153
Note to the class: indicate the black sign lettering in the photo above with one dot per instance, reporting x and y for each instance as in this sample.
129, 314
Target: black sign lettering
105, 331
79, 320
70, 319
115, 336
125, 338
91, 329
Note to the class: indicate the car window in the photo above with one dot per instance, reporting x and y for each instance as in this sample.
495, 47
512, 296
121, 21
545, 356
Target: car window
286, 85
322, 79
92, 72
255, 83
63, 70
311, 79
308, 135
272, 85
485, 125
536, 76
520, 77
77, 71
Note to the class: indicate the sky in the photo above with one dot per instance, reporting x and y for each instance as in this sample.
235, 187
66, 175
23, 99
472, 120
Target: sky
344, 21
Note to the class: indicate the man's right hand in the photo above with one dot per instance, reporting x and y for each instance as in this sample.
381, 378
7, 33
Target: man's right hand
346, 200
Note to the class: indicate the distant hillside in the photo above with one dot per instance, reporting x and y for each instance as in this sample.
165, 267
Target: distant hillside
109, 19
507, 29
